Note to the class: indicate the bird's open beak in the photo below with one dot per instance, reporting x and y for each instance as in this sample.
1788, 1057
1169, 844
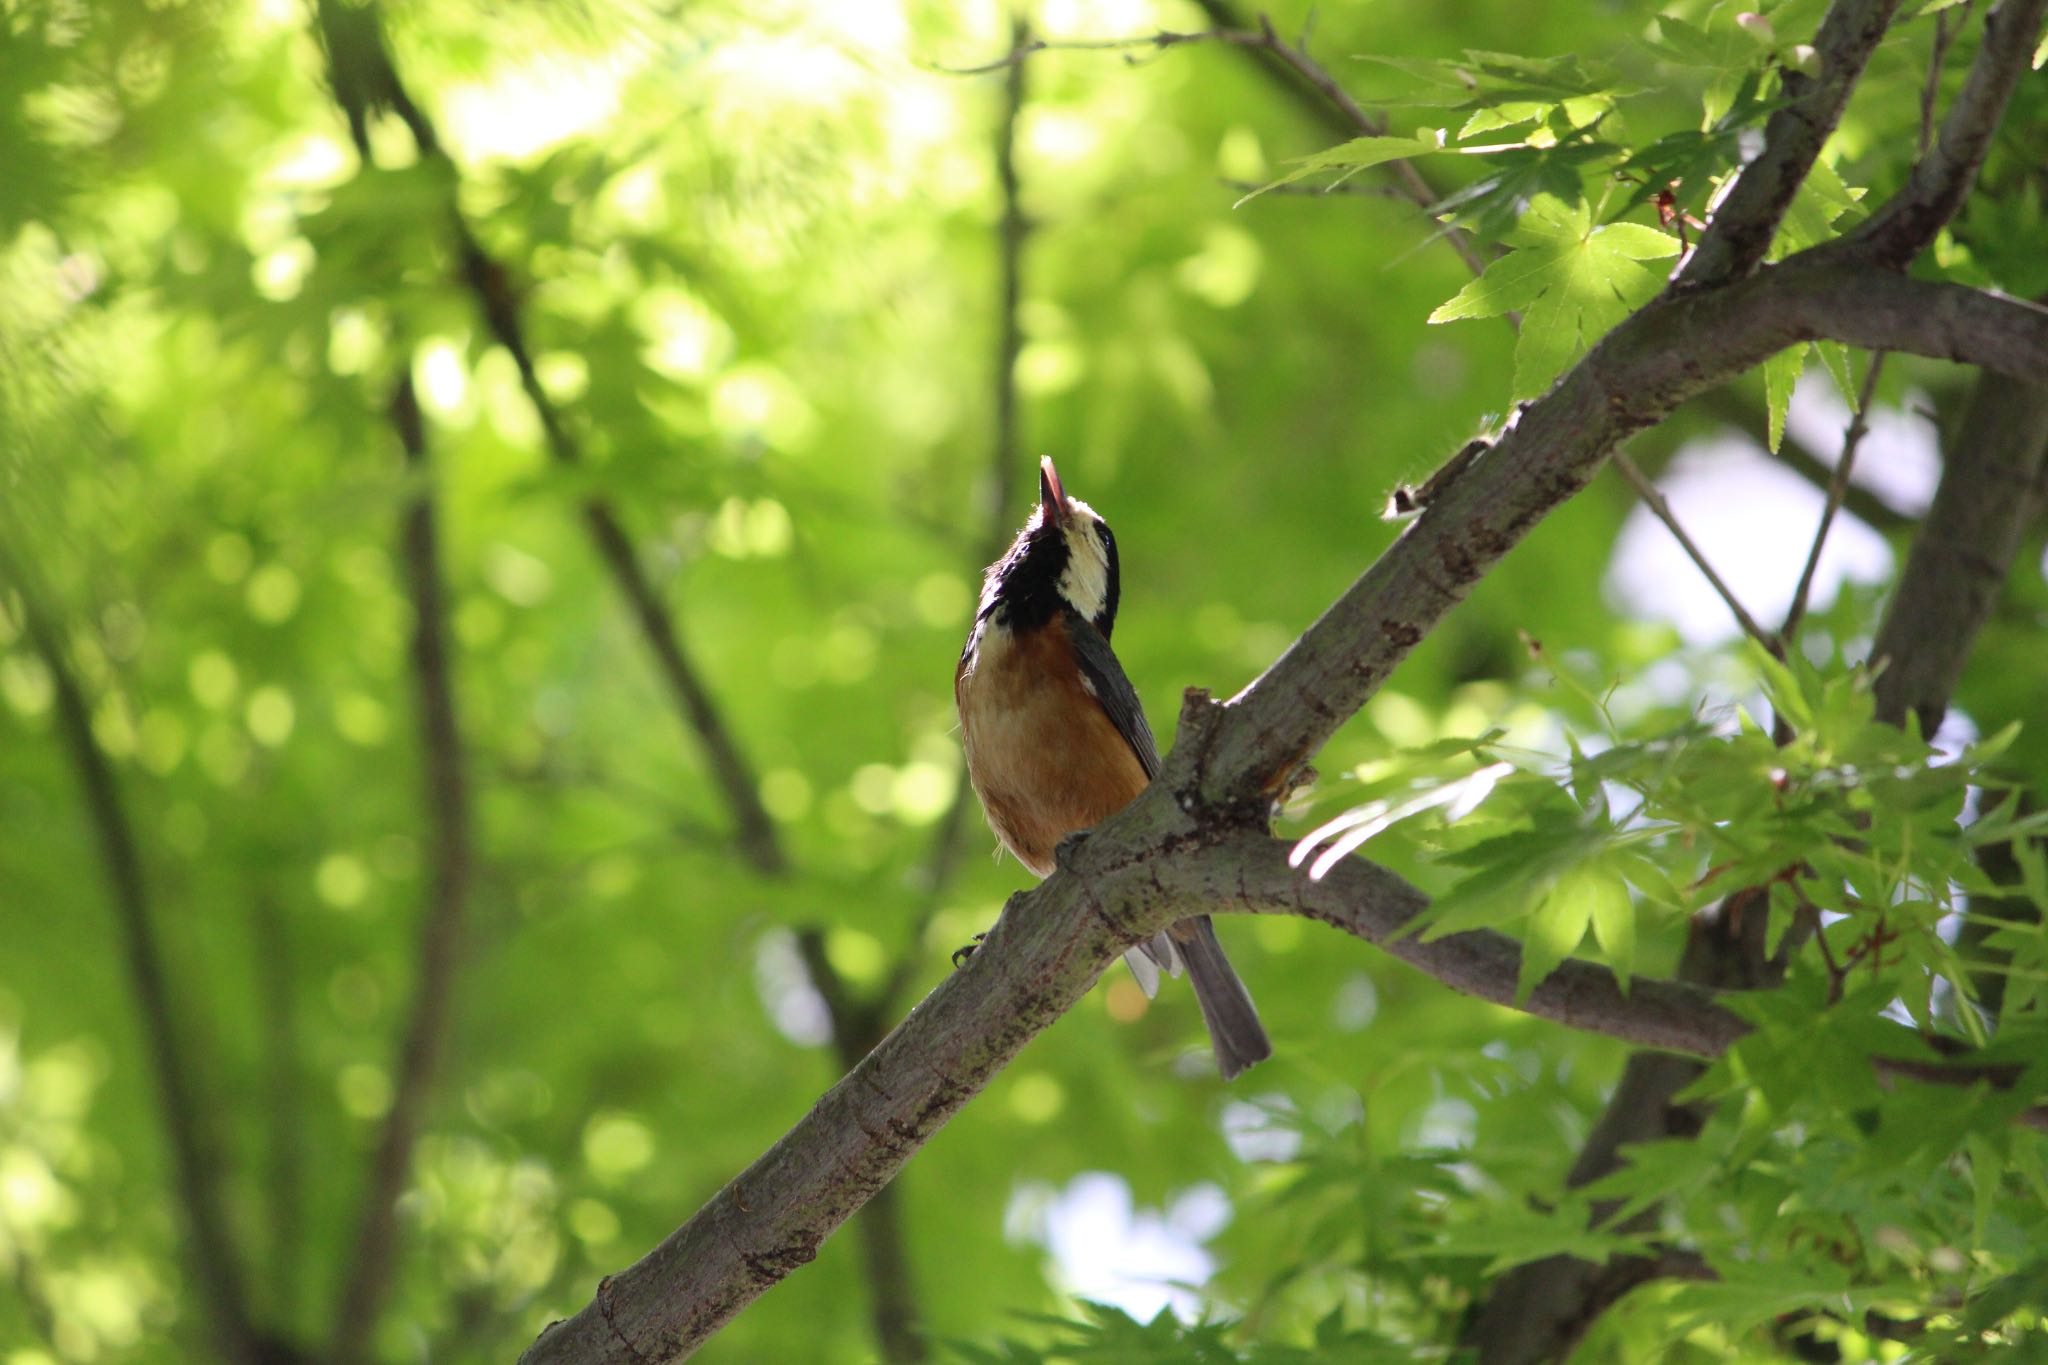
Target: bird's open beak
1051, 496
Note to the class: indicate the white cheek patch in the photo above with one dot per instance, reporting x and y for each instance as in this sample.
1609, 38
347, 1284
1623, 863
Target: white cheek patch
1085, 581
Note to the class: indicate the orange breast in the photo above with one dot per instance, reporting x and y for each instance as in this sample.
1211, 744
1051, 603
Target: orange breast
1044, 757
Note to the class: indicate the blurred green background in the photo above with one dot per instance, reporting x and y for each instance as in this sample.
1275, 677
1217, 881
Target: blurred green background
755, 253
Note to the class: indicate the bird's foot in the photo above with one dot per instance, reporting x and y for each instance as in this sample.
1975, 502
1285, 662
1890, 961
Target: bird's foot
1069, 848
960, 955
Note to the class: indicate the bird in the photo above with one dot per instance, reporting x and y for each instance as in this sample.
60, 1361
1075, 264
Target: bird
1056, 739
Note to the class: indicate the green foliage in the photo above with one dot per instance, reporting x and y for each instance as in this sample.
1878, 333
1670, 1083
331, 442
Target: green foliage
753, 252
1574, 281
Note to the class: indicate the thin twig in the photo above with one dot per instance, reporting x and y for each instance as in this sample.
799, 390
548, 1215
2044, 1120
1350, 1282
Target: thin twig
1340, 187
285, 1174
1838, 486
1904, 225
1348, 115
215, 1264
1729, 406
858, 1024
1653, 498
446, 815
1945, 24
1158, 41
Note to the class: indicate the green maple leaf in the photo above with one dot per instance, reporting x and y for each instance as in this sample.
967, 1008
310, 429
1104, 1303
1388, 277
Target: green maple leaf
1570, 280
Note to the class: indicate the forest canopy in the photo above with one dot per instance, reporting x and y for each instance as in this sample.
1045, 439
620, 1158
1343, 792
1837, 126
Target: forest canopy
491, 497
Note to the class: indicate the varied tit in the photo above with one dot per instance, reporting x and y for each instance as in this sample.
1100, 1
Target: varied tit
1056, 738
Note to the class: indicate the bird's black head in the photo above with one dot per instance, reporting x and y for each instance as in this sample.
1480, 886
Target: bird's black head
1064, 558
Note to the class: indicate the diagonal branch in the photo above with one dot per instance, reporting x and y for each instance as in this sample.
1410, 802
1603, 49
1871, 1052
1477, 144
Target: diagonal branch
1838, 488
450, 862
1151, 863
365, 79
1676, 347
1740, 232
215, 1266
1907, 222
1205, 816
1143, 865
1653, 498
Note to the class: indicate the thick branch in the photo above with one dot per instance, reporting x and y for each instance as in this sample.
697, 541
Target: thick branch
445, 813
1742, 227
1677, 347
1900, 230
1208, 809
1149, 864
1992, 488
213, 1264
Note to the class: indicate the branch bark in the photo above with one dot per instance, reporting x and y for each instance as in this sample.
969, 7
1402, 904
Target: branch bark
1678, 346
1205, 815
859, 1024
215, 1263
1161, 858
1992, 489
1942, 177
1740, 231
445, 811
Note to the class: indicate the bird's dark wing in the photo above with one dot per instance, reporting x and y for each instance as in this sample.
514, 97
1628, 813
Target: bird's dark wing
1105, 678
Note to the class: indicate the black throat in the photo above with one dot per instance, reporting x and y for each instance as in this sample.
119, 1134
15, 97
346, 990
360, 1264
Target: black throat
1023, 588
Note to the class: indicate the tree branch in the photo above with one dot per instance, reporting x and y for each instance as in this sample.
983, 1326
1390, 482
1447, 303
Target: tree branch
1159, 859
1304, 78
445, 802
1907, 222
1730, 407
1661, 509
1993, 486
1838, 488
1676, 347
1205, 815
1741, 228
214, 1265
365, 79
1228, 763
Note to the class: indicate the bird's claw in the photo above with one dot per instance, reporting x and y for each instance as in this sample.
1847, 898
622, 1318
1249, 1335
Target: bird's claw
961, 954
1069, 848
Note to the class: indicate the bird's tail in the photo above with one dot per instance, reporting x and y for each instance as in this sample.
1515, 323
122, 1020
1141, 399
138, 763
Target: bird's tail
1234, 1028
